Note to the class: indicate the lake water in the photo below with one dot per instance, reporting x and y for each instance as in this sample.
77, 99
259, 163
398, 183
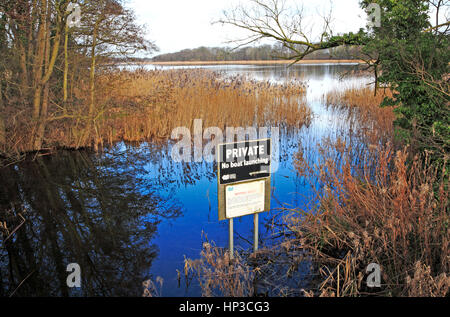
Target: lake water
130, 213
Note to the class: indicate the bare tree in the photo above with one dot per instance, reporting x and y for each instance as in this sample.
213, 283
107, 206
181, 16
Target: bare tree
277, 20
42, 61
108, 30
441, 12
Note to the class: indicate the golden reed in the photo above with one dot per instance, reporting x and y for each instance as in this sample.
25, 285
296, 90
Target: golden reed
147, 105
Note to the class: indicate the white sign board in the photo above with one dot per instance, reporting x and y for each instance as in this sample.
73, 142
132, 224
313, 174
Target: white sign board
244, 199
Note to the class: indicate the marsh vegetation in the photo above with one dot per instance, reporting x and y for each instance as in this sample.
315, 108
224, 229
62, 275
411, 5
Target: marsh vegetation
87, 177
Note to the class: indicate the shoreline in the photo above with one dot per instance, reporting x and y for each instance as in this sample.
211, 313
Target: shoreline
259, 62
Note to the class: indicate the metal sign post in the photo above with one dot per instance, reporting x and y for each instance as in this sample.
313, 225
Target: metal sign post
255, 232
243, 180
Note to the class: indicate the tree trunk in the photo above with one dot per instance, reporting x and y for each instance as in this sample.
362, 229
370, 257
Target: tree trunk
2, 122
24, 89
92, 75
38, 62
33, 20
66, 65
376, 80
91, 122
51, 54
40, 134
44, 107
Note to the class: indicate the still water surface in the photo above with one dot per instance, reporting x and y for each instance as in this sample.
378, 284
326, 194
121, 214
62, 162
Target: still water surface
130, 213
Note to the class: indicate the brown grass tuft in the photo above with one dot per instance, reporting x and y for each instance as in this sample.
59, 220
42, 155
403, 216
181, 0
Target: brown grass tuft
218, 275
382, 210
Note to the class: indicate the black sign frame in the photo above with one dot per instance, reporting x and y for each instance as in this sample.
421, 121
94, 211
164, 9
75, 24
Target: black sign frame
246, 167
256, 171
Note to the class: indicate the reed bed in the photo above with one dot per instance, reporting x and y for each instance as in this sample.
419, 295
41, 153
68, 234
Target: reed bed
218, 275
385, 210
159, 101
375, 203
272, 271
147, 105
374, 123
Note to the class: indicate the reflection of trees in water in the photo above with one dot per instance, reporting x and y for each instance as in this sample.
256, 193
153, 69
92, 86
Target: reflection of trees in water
96, 212
283, 73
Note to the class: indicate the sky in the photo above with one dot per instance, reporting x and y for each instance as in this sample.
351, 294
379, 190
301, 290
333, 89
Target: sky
179, 24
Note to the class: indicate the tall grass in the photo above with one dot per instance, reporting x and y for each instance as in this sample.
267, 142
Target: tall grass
153, 288
218, 275
382, 210
171, 99
380, 205
376, 205
271, 271
368, 119
146, 105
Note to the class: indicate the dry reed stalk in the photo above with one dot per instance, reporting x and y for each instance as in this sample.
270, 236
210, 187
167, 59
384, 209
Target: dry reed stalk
147, 105
218, 275
372, 122
151, 289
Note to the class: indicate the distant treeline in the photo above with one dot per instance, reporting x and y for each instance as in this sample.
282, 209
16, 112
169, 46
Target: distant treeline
263, 52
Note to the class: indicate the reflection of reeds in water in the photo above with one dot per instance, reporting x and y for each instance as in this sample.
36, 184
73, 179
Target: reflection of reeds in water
149, 105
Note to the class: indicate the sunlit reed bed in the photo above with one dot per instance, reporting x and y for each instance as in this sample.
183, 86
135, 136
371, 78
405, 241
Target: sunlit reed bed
147, 105
150, 104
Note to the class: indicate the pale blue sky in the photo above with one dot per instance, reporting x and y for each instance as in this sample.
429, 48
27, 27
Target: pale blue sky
178, 24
